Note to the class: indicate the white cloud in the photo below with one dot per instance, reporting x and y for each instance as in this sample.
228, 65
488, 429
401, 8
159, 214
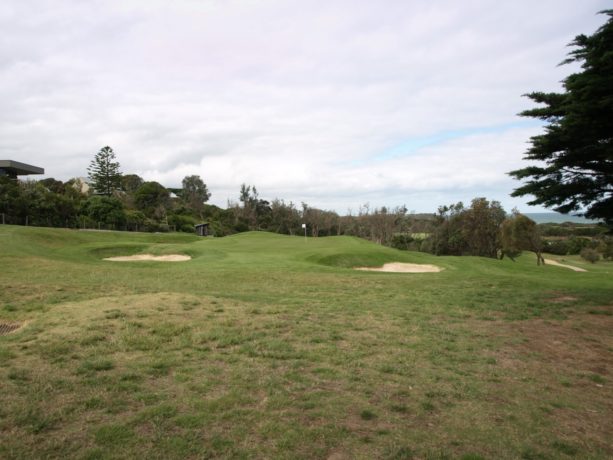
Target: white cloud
300, 98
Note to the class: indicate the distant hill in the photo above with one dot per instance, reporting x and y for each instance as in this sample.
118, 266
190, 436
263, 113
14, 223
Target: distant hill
556, 218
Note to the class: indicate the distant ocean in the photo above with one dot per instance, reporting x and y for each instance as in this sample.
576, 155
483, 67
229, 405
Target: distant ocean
557, 218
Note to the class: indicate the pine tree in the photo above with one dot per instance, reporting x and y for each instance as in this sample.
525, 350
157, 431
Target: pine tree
104, 173
576, 150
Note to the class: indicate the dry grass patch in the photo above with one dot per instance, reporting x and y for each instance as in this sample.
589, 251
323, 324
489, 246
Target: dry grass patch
563, 368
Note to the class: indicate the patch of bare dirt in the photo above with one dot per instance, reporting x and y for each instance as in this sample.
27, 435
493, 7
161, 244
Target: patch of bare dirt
138, 257
563, 299
397, 267
338, 456
580, 343
558, 264
571, 359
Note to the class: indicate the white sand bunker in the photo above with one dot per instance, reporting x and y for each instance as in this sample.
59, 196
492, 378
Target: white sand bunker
558, 264
166, 258
397, 267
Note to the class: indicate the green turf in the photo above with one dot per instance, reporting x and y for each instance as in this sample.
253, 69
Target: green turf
270, 346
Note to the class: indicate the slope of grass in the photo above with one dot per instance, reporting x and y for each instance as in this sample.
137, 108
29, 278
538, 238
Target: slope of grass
269, 346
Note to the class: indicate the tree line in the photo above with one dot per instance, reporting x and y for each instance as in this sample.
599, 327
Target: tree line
112, 200
108, 200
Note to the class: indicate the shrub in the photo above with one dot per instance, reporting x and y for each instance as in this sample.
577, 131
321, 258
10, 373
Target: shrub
591, 255
607, 253
591, 230
104, 209
427, 245
576, 244
554, 230
182, 222
401, 241
558, 247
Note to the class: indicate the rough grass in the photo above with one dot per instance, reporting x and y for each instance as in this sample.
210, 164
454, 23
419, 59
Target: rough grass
264, 346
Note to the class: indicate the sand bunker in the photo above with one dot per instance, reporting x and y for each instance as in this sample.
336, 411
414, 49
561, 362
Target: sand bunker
558, 264
166, 258
397, 267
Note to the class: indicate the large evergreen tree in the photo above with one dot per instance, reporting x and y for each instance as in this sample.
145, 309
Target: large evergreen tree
104, 173
576, 150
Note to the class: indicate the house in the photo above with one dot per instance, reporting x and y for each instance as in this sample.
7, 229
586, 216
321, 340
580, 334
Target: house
202, 229
81, 185
13, 169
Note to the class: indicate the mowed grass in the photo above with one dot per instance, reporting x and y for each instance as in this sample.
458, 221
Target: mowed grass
269, 346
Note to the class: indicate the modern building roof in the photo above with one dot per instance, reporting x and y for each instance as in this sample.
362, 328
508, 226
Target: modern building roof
15, 168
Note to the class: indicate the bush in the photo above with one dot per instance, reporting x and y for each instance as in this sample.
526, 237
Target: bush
592, 230
134, 220
104, 209
576, 244
570, 229
427, 245
607, 252
591, 255
182, 222
554, 230
401, 241
557, 247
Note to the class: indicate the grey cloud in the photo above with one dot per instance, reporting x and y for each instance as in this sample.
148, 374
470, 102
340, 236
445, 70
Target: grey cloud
290, 95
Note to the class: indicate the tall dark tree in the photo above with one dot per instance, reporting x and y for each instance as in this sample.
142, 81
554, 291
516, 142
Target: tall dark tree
195, 193
577, 146
131, 182
249, 196
472, 231
481, 226
104, 173
518, 233
448, 237
152, 199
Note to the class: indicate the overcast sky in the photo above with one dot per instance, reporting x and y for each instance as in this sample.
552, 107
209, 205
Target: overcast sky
336, 103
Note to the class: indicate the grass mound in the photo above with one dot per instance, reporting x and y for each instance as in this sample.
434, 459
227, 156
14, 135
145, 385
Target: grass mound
117, 250
351, 260
268, 346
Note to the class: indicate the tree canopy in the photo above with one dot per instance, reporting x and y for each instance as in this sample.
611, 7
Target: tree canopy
576, 151
152, 198
468, 231
104, 172
131, 182
518, 233
108, 210
195, 192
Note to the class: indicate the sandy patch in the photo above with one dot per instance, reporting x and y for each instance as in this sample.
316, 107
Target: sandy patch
397, 267
166, 258
558, 264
